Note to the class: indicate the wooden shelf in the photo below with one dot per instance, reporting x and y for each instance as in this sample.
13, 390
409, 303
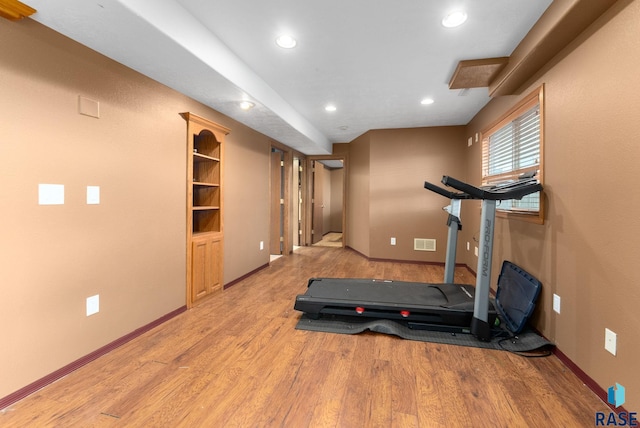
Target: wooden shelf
199, 157
203, 234
200, 183
204, 208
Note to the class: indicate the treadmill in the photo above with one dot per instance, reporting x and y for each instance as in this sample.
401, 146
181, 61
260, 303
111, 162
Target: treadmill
443, 307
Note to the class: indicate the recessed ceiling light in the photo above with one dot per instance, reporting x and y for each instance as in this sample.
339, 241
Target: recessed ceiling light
286, 41
330, 107
454, 19
246, 105
427, 101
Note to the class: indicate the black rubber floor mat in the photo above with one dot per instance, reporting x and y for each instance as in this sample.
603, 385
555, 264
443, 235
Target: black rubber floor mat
524, 342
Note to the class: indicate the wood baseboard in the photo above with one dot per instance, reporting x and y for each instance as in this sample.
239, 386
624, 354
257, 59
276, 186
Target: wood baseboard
473, 272
585, 378
245, 276
417, 262
60, 373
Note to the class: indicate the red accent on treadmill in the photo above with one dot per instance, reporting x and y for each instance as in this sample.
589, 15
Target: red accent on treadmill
359, 309
405, 313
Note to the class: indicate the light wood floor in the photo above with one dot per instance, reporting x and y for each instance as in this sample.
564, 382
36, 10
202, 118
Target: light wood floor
237, 361
331, 239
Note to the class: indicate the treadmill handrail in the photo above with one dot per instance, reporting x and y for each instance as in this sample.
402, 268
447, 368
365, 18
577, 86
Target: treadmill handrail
444, 192
514, 190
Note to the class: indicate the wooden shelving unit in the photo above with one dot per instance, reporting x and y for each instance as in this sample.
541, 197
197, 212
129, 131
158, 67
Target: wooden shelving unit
205, 208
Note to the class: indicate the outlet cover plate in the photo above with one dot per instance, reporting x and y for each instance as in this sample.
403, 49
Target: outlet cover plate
556, 303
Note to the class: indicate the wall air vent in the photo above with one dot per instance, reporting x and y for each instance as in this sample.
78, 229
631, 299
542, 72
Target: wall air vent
421, 244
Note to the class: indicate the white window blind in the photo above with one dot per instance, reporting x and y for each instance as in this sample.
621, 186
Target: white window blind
510, 151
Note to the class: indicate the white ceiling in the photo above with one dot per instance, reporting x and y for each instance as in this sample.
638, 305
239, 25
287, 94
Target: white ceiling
375, 60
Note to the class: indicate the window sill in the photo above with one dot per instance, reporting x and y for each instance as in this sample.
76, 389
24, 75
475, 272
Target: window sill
535, 218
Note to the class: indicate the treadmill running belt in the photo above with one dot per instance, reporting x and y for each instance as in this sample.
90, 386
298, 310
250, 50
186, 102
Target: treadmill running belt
377, 290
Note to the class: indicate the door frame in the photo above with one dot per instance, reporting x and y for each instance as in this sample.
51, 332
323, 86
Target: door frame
287, 244
277, 186
308, 208
299, 229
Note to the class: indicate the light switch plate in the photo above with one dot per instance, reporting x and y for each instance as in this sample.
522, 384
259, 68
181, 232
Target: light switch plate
93, 305
93, 195
610, 341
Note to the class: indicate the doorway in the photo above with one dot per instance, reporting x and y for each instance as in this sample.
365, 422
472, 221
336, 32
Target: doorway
281, 201
292, 201
327, 203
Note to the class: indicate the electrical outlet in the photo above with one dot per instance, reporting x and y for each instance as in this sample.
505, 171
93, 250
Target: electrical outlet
610, 340
93, 305
556, 303
261, 245
468, 245
475, 251
393, 241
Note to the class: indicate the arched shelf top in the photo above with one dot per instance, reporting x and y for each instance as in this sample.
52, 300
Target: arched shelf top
198, 124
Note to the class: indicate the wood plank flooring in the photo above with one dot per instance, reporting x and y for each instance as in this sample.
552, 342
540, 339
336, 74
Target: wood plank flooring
236, 360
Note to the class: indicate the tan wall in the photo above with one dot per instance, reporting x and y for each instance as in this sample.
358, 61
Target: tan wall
130, 249
357, 233
246, 185
400, 206
587, 250
332, 195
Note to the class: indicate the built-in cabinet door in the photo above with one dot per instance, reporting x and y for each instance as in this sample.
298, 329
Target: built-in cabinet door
215, 271
200, 267
206, 266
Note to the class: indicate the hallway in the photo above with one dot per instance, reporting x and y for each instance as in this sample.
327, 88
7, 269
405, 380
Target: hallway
331, 239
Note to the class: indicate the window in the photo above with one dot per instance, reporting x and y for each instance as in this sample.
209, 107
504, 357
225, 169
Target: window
514, 146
